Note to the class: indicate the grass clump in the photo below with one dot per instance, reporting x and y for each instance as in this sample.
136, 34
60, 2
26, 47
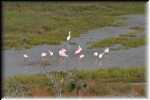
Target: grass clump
114, 74
129, 40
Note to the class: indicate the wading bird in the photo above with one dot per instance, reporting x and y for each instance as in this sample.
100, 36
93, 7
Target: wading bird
106, 51
95, 54
43, 54
50, 52
26, 58
81, 56
62, 52
101, 55
68, 40
44, 59
69, 36
78, 50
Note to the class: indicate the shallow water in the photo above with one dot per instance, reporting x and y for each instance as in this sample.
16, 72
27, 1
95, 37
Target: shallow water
14, 63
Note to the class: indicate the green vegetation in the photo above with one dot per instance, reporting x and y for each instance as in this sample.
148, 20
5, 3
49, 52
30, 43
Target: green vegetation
118, 74
49, 23
129, 40
97, 82
22, 85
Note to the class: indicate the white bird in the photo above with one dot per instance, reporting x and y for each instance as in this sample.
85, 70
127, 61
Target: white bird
44, 59
106, 50
50, 52
95, 54
62, 52
101, 55
25, 56
43, 54
69, 36
81, 56
78, 50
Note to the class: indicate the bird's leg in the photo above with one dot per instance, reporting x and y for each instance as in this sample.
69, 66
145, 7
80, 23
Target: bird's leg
43, 68
100, 63
68, 45
96, 61
26, 61
62, 60
80, 61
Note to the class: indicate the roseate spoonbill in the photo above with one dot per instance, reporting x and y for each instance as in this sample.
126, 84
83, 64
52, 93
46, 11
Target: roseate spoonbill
62, 52
69, 36
78, 50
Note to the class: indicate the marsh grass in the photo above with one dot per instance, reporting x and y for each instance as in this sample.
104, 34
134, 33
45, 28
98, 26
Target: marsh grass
98, 82
49, 23
128, 40
23, 84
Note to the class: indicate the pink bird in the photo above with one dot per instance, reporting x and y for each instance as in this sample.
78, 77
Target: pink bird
78, 50
62, 52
